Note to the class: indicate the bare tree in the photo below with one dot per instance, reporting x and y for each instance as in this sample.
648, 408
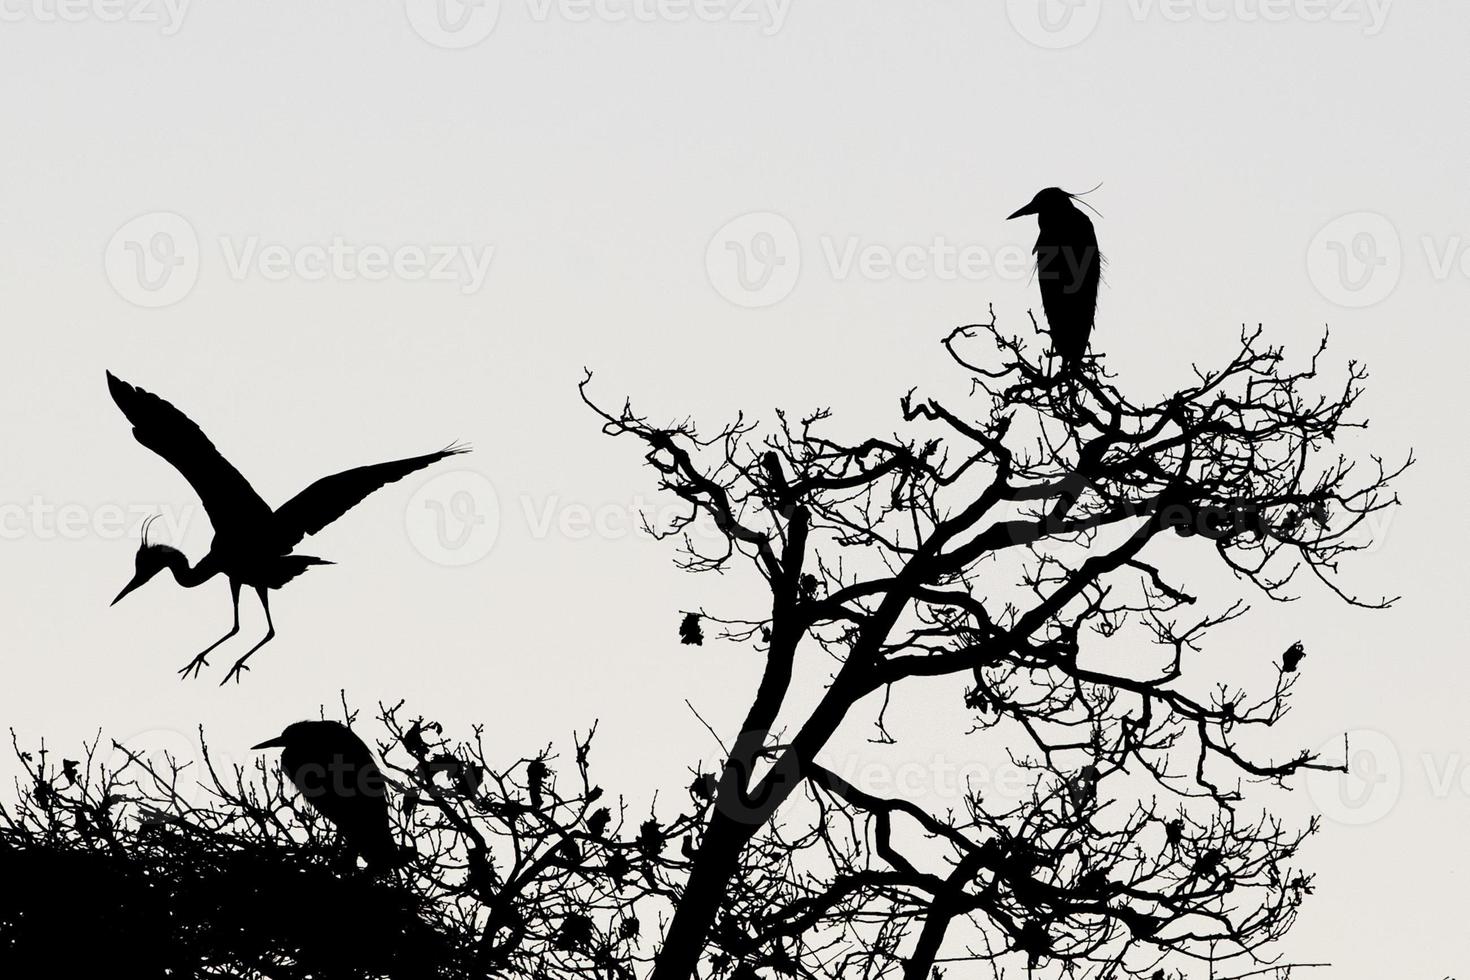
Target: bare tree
1008, 541
527, 869
1026, 540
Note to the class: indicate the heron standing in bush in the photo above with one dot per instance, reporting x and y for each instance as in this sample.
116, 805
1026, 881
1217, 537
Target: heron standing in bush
334, 771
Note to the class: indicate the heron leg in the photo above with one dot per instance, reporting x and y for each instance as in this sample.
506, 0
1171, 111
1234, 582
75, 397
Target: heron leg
270, 631
192, 668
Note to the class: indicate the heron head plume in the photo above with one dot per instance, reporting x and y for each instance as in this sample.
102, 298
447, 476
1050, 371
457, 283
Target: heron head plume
151, 559
1049, 200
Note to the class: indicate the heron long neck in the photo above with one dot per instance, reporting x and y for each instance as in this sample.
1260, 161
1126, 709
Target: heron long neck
186, 575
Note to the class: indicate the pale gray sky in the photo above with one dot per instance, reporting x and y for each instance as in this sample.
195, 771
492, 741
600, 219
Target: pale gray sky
378, 229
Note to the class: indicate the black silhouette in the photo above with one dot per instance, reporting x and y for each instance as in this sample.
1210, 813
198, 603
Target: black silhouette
887, 560
1069, 268
238, 880
1208, 864
1217, 522
335, 772
245, 880
1293, 657
252, 544
690, 632
966, 546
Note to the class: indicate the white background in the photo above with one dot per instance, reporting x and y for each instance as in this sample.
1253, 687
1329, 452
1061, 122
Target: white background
600, 158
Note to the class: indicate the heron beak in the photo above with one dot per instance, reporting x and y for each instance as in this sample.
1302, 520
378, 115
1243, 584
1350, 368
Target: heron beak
1028, 209
137, 581
279, 742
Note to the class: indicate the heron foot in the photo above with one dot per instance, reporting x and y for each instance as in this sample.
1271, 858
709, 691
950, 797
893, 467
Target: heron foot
240, 667
193, 667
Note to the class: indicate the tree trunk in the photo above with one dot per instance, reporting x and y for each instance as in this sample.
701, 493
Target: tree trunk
715, 862
942, 910
734, 821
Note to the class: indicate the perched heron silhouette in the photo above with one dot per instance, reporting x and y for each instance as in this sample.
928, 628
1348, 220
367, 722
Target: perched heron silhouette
334, 771
1068, 268
252, 543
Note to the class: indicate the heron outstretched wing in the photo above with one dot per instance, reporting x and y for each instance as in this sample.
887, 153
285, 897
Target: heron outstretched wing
228, 498
332, 496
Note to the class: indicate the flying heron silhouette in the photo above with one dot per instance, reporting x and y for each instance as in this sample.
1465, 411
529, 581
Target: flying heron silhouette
334, 771
252, 543
1068, 268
